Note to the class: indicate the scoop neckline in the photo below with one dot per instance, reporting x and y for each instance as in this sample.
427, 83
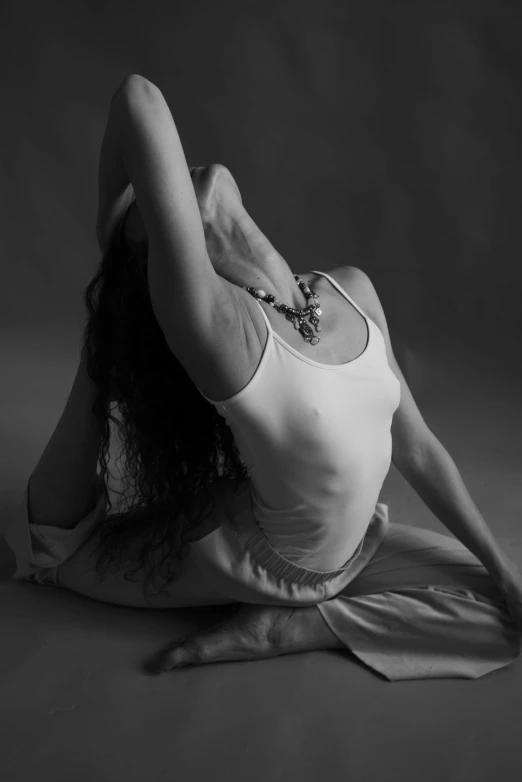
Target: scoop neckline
333, 282
311, 361
269, 345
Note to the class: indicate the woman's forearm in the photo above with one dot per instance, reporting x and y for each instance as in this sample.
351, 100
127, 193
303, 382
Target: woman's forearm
439, 484
115, 191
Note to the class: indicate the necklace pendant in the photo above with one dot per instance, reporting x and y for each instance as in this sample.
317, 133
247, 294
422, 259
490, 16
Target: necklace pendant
306, 331
295, 316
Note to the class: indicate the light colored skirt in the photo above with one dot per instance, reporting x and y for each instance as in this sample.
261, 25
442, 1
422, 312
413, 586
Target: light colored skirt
409, 603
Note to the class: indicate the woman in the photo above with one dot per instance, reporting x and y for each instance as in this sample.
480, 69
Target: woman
227, 401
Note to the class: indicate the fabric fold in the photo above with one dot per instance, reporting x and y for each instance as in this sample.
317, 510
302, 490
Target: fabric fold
425, 632
40, 548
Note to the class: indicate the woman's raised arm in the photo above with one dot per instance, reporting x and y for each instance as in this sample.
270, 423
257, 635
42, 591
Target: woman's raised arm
141, 150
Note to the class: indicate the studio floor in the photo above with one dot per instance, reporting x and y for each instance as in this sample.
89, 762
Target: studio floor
75, 704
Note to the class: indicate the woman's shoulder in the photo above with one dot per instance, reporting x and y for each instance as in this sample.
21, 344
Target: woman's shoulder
358, 285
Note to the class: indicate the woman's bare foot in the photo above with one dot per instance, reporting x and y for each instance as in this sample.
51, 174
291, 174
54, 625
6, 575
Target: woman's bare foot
254, 632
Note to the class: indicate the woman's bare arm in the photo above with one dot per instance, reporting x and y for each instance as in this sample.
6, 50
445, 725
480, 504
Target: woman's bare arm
426, 464
191, 302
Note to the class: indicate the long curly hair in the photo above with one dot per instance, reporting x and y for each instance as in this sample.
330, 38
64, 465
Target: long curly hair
174, 444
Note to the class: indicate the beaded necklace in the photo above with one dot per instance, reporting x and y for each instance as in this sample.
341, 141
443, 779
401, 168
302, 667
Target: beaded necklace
293, 315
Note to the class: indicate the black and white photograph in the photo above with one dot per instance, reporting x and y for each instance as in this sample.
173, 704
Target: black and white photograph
261, 420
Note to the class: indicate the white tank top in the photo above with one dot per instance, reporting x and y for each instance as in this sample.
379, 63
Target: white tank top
316, 441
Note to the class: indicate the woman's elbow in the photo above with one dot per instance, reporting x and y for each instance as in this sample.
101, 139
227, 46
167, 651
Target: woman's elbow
134, 84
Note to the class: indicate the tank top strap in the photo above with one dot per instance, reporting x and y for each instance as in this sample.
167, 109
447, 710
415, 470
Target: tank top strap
343, 292
265, 316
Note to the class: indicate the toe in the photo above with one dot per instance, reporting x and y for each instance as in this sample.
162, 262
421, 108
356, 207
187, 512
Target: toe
178, 657
203, 647
196, 649
220, 644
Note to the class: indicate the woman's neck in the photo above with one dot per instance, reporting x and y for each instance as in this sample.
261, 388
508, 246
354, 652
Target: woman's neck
242, 254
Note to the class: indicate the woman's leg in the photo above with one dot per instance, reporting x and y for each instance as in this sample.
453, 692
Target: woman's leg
54, 527
62, 488
77, 573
